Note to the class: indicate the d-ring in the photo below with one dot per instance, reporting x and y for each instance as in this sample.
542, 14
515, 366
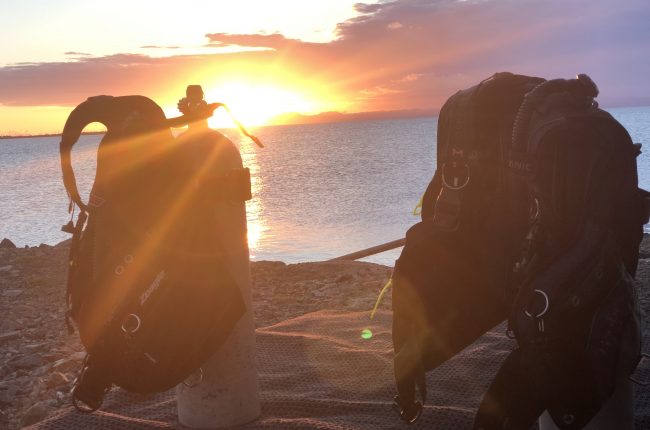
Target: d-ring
454, 187
126, 320
546, 305
192, 385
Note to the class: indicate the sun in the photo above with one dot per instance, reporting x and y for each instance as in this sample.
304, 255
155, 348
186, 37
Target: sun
254, 105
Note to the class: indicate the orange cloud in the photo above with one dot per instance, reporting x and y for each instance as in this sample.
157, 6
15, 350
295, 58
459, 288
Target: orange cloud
276, 40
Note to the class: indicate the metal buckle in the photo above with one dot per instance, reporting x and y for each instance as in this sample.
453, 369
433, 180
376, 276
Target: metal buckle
546, 305
455, 186
409, 415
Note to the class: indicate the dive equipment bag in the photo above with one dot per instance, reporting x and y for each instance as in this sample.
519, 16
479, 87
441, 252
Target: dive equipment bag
149, 286
534, 215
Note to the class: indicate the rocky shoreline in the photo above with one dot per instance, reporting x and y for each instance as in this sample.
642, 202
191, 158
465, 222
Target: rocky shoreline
40, 359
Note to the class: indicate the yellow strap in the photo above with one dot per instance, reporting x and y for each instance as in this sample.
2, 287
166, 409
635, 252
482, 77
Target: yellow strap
417, 210
381, 296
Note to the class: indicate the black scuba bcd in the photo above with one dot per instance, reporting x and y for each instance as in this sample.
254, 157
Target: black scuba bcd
533, 181
151, 297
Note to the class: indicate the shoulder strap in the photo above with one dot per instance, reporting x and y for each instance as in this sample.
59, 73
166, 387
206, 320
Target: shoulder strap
92, 110
455, 167
122, 116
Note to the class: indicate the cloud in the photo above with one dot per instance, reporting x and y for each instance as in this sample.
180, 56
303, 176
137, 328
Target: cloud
77, 54
159, 47
396, 55
366, 8
68, 83
275, 40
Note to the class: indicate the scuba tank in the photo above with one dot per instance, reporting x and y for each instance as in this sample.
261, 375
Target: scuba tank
229, 376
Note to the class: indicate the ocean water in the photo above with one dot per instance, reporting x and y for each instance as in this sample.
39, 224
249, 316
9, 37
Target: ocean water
320, 191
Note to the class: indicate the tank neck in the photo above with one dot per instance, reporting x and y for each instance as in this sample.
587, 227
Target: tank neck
198, 125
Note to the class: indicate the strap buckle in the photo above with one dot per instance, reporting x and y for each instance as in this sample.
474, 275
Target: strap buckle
88, 389
408, 413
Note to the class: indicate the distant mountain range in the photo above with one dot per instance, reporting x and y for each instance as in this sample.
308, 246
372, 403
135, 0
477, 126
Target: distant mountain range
324, 117
19, 136
320, 118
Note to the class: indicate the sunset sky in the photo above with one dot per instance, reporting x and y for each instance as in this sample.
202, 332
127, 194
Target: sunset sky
264, 58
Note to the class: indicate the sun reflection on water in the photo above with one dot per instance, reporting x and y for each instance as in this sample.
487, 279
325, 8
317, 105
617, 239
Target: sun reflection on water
257, 228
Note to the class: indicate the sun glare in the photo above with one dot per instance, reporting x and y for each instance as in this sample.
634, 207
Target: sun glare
254, 105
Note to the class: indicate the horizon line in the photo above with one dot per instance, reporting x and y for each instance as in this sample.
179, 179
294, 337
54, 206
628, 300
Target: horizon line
299, 119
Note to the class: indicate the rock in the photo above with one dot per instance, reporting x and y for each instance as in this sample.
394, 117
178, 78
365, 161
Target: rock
63, 244
36, 322
65, 365
43, 370
38, 389
4, 371
3, 417
78, 356
8, 396
56, 380
27, 362
34, 414
60, 398
6, 243
20, 373
35, 347
10, 335
344, 278
6, 269
12, 294
52, 357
